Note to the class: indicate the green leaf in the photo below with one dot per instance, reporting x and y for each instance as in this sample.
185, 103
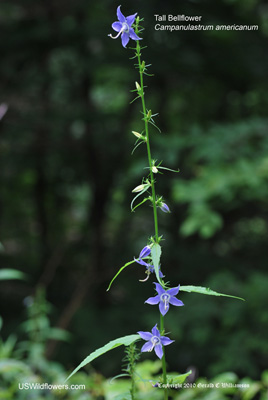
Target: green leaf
126, 341
143, 201
178, 379
156, 254
203, 290
6, 274
139, 194
168, 169
116, 275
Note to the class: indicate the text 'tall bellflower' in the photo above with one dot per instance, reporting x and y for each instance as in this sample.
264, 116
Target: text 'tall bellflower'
123, 27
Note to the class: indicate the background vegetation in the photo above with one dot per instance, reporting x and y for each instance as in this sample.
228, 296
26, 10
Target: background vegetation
67, 173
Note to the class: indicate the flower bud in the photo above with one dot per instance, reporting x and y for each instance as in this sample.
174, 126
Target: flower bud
140, 188
138, 86
138, 135
165, 208
154, 169
145, 252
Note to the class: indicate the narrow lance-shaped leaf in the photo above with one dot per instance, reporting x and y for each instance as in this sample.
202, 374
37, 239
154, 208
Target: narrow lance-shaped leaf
178, 379
125, 340
203, 290
156, 254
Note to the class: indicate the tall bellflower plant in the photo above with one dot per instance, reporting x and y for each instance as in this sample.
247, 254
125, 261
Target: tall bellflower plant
128, 28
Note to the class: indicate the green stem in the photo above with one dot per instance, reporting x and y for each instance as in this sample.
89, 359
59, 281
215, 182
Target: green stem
146, 122
164, 368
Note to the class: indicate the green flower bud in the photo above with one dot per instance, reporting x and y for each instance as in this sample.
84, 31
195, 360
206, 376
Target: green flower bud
138, 86
140, 188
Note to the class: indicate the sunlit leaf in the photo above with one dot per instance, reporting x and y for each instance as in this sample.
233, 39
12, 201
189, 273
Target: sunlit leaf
156, 254
126, 341
203, 290
6, 274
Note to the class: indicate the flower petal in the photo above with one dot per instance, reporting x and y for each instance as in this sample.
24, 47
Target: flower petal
159, 288
175, 302
173, 291
147, 347
155, 331
145, 335
141, 262
133, 35
117, 26
166, 341
153, 300
125, 39
130, 19
120, 16
146, 251
158, 351
162, 308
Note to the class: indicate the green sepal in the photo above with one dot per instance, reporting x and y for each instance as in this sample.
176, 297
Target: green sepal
143, 201
125, 340
203, 290
168, 169
156, 254
120, 270
137, 145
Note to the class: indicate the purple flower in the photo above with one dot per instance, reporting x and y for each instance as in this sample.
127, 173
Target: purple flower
123, 27
164, 298
165, 208
145, 252
154, 341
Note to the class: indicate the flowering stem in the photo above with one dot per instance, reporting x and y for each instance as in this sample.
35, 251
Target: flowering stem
146, 117
146, 123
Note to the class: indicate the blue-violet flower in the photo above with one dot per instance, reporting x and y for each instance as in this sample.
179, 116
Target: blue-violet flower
154, 341
164, 298
165, 208
123, 27
145, 252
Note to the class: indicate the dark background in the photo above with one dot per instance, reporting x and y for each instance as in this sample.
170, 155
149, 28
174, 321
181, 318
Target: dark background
67, 173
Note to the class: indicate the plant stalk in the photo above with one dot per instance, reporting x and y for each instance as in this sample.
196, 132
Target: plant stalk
146, 123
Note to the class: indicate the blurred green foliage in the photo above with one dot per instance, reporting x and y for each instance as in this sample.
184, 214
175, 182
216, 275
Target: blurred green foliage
66, 177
